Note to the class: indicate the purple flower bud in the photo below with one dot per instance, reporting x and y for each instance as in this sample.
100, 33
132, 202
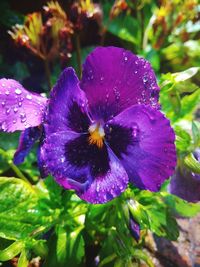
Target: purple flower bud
134, 228
185, 183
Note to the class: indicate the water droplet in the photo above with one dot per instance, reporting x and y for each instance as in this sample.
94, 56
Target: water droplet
62, 159
18, 91
135, 71
125, 59
116, 93
102, 78
7, 111
14, 121
145, 79
3, 103
7, 92
29, 97
4, 126
15, 109
19, 104
23, 117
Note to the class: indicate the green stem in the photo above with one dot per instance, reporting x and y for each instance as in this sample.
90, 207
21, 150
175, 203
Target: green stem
78, 54
13, 166
18, 172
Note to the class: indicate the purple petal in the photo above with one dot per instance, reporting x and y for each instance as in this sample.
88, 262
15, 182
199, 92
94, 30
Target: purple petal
67, 105
134, 228
40, 158
95, 174
115, 79
108, 186
186, 185
27, 139
19, 108
142, 138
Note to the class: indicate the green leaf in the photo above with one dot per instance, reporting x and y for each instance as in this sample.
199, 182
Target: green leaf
183, 139
161, 221
65, 247
107, 260
189, 104
17, 199
196, 134
181, 206
185, 75
23, 212
142, 256
125, 27
61, 247
23, 259
10, 252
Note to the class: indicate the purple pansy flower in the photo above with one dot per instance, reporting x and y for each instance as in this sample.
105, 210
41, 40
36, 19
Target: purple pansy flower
106, 130
186, 184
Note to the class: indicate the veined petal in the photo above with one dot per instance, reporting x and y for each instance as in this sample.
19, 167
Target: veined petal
67, 106
143, 140
27, 139
96, 174
115, 79
19, 108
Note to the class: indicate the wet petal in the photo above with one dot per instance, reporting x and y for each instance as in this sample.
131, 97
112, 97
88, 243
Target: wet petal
109, 185
19, 108
67, 105
115, 79
95, 174
27, 139
186, 185
143, 140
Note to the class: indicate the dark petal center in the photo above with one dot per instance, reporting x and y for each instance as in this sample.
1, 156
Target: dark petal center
120, 137
82, 154
78, 120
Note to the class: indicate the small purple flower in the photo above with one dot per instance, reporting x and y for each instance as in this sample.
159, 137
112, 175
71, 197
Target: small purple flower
106, 130
186, 184
134, 228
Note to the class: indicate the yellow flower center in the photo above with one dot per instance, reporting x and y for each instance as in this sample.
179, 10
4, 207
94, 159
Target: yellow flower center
96, 135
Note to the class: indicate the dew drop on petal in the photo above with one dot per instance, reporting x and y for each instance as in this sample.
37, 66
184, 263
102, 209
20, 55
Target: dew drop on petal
3, 103
14, 121
23, 117
19, 104
4, 126
145, 79
29, 97
7, 92
18, 91
7, 111
15, 109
